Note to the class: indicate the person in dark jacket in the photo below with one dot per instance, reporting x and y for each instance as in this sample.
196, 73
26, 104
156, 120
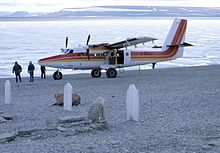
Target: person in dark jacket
43, 72
31, 69
153, 65
17, 70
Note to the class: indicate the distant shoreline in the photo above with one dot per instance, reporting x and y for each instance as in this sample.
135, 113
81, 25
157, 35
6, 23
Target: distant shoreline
3, 19
119, 11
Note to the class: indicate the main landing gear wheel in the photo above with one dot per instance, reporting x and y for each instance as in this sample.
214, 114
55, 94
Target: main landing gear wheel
96, 73
111, 73
57, 75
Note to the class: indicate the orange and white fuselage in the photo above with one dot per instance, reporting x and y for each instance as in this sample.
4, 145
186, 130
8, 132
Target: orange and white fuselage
102, 58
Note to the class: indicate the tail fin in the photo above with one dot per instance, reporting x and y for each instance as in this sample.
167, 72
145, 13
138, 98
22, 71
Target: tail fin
176, 36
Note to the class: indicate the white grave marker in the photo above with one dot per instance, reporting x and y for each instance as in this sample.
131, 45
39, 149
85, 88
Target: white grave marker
67, 97
7, 92
132, 103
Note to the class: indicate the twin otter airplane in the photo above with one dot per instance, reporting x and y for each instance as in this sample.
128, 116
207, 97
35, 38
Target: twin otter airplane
109, 56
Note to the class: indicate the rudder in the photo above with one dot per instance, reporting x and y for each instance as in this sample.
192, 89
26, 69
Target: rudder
176, 36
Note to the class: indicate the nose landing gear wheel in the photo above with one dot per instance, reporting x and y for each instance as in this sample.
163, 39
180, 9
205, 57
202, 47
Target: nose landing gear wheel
57, 75
96, 73
111, 73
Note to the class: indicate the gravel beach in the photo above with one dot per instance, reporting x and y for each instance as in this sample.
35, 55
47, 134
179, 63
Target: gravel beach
179, 112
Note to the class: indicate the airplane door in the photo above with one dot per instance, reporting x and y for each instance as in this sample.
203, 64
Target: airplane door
120, 57
127, 57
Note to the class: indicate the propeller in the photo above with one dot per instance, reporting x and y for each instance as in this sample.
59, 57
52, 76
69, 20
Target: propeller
64, 50
66, 42
87, 46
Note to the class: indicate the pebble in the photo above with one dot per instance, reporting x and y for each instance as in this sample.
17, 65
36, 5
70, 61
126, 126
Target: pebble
214, 143
7, 137
2, 119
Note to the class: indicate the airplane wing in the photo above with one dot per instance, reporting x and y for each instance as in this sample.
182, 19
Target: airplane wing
98, 45
130, 42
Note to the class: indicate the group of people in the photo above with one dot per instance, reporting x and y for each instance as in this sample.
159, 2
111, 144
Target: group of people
17, 69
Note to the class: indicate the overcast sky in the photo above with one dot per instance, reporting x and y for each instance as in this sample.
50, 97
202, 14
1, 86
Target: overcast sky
56, 5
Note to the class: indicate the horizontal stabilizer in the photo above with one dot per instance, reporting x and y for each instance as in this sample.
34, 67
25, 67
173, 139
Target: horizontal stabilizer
184, 44
155, 46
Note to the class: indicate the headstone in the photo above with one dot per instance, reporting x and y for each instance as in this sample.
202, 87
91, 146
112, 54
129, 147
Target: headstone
67, 97
7, 92
97, 111
132, 103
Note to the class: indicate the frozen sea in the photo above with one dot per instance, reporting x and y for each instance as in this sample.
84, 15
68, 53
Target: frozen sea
25, 41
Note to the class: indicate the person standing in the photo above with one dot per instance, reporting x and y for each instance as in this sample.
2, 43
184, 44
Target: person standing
153, 65
17, 70
31, 69
43, 72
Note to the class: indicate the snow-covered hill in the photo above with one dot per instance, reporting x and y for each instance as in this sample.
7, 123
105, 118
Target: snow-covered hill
124, 11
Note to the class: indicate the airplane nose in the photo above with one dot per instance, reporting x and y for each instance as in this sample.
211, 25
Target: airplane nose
41, 61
